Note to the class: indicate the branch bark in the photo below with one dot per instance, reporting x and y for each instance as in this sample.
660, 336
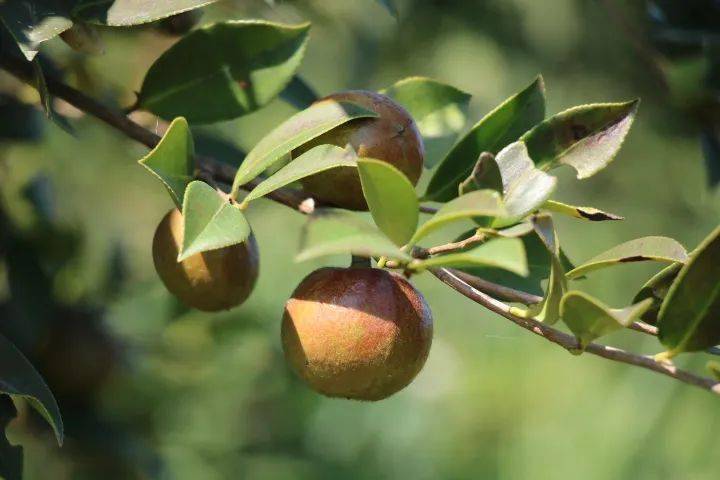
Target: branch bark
224, 173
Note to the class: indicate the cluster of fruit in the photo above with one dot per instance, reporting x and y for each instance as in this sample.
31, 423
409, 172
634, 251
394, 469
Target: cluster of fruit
361, 333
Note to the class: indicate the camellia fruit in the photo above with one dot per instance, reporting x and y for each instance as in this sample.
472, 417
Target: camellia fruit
209, 281
358, 333
392, 137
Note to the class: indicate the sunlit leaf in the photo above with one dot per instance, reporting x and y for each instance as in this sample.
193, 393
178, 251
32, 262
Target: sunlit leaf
586, 137
224, 70
504, 253
334, 231
658, 249
548, 310
32, 23
525, 187
391, 198
689, 319
120, 13
294, 132
588, 318
210, 221
500, 127
19, 378
656, 289
440, 111
481, 203
584, 213
171, 160
317, 159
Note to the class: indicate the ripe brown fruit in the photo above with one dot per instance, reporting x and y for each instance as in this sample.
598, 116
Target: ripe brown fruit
392, 136
209, 281
358, 333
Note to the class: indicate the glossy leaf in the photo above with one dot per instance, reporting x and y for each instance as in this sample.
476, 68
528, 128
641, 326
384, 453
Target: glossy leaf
656, 289
659, 249
122, 13
18, 378
299, 129
391, 198
504, 253
525, 188
211, 222
485, 175
224, 70
586, 137
583, 213
439, 110
548, 310
334, 231
689, 319
500, 127
481, 203
171, 161
32, 23
317, 159
588, 318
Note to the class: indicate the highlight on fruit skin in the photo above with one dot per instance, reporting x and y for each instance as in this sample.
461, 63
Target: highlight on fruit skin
208, 281
356, 333
392, 137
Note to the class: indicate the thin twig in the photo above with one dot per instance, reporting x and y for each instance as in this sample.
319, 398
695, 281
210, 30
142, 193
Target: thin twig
498, 291
455, 246
569, 342
224, 173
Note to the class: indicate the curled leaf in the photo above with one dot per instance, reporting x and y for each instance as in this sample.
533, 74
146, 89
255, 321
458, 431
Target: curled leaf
583, 213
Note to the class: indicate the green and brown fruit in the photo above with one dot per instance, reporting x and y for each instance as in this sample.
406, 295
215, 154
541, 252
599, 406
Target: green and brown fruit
357, 333
392, 137
209, 281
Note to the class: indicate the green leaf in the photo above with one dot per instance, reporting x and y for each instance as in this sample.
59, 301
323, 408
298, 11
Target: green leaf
656, 289
586, 137
439, 110
689, 318
19, 378
334, 231
171, 160
122, 13
32, 23
485, 175
588, 318
299, 129
659, 249
504, 253
548, 310
317, 159
391, 197
481, 203
224, 70
210, 221
497, 129
11, 456
525, 187
584, 213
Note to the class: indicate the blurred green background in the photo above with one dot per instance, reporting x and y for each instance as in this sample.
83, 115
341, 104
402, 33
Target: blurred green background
149, 389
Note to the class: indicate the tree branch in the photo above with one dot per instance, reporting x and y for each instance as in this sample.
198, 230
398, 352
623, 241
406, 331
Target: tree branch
569, 342
297, 200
